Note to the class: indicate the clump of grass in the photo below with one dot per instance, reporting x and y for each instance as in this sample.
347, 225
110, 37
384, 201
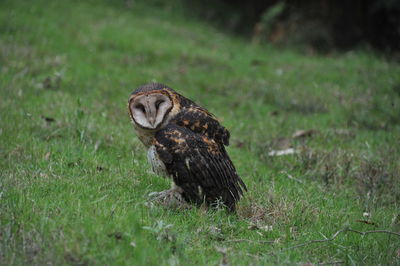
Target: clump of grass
373, 179
162, 231
377, 183
375, 109
333, 168
270, 211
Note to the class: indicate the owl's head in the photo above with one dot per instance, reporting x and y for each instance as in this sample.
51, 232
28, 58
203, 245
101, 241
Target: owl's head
149, 106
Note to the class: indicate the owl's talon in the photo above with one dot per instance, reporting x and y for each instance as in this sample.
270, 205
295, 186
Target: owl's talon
160, 196
153, 195
170, 198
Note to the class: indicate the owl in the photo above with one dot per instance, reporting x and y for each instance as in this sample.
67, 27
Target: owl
186, 143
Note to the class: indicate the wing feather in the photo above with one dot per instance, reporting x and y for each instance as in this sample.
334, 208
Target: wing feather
199, 165
199, 120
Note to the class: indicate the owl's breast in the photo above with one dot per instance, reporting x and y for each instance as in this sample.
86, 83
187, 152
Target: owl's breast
157, 165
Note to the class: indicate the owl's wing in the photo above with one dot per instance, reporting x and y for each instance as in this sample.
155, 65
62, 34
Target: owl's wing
199, 165
199, 120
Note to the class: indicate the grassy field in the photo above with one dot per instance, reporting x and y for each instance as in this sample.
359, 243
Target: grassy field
74, 178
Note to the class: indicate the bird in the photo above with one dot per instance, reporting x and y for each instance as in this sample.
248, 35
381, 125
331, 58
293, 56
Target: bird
185, 142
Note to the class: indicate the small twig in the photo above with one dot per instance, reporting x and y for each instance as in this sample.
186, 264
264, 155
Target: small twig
337, 233
292, 178
251, 241
373, 231
315, 241
366, 222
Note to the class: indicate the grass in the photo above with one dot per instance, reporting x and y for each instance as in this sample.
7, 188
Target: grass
74, 177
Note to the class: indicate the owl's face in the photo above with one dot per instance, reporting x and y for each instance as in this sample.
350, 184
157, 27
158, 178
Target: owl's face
150, 109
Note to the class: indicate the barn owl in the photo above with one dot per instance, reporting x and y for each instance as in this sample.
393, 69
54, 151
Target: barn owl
186, 143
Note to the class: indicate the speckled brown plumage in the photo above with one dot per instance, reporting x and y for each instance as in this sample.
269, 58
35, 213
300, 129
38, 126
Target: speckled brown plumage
190, 143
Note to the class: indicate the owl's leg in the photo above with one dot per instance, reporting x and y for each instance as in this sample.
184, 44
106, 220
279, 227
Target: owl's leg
171, 198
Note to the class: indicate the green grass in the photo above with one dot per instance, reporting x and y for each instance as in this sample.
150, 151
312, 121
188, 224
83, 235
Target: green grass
73, 186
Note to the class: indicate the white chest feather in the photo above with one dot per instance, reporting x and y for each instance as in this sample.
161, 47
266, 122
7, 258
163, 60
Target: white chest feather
156, 164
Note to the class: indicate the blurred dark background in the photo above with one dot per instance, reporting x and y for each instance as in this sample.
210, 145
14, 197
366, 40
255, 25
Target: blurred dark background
314, 25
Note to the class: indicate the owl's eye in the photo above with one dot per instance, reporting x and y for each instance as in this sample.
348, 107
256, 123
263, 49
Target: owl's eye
140, 107
158, 103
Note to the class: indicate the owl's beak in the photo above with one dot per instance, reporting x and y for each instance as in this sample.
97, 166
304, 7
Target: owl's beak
152, 120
